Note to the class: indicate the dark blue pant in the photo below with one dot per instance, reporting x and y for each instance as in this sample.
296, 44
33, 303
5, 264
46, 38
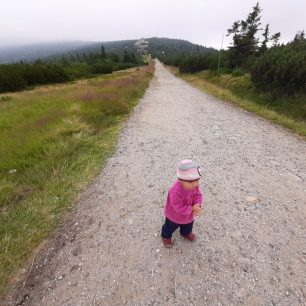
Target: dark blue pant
170, 227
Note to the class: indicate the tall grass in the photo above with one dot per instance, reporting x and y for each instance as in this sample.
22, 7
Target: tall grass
237, 88
53, 140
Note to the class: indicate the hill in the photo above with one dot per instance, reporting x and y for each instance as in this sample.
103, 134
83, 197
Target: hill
33, 52
50, 51
156, 46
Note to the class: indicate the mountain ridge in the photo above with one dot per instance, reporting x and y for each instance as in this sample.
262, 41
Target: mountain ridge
48, 51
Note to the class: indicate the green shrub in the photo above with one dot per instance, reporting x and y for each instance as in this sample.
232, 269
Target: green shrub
237, 72
102, 67
78, 70
11, 78
282, 69
122, 66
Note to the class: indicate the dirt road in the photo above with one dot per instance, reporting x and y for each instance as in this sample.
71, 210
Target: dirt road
251, 246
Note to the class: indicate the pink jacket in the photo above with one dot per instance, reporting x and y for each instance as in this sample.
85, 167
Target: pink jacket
179, 203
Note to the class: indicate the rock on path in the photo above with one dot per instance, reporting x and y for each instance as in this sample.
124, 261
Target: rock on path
251, 246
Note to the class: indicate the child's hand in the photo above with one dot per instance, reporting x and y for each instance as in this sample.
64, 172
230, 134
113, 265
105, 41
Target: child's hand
196, 209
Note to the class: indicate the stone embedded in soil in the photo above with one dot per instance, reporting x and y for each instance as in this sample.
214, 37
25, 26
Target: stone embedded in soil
252, 199
77, 251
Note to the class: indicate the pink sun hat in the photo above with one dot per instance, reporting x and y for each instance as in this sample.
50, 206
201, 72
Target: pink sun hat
188, 170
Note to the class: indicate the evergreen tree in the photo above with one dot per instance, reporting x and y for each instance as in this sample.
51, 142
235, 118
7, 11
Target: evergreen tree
265, 41
282, 69
133, 58
299, 36
103, 54
275, 38
114, 57
126, 56
245, 43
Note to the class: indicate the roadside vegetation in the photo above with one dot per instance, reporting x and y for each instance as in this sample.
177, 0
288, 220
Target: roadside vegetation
255, 73
19, 76
288, 111
54, 140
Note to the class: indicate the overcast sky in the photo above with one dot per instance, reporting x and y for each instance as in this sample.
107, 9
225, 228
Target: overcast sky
199, 21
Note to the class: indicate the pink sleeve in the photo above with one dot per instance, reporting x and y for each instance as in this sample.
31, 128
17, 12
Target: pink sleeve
178, 205
197, 196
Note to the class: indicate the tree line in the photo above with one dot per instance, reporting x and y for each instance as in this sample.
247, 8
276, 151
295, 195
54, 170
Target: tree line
280, 68
18, 76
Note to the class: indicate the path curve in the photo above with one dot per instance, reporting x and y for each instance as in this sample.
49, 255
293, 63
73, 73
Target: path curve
251, 246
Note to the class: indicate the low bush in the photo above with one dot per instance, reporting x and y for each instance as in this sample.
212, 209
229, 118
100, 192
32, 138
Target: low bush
281, 69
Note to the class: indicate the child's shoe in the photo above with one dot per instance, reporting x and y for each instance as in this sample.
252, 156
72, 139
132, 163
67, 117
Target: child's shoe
190, 237
167, 243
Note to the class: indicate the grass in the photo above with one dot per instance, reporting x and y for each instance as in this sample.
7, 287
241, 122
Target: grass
288, 111
54, 140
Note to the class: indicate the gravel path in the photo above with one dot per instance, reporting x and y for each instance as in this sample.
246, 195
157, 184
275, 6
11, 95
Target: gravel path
251, 246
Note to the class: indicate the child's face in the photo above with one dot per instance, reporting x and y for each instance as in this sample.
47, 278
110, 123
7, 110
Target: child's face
190, 185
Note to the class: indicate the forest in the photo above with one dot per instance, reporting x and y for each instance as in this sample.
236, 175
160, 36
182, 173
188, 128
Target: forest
273, 67
22, 75
87, 61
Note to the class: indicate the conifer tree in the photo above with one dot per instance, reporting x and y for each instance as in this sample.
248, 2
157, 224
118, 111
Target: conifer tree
275, 38
133, 58
299, 36
126, 56
265, 35
103, 54
245, 42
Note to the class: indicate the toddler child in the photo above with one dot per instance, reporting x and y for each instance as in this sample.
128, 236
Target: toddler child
183, 202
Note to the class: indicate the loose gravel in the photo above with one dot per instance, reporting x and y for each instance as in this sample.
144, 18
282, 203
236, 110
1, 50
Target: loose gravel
251, 238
